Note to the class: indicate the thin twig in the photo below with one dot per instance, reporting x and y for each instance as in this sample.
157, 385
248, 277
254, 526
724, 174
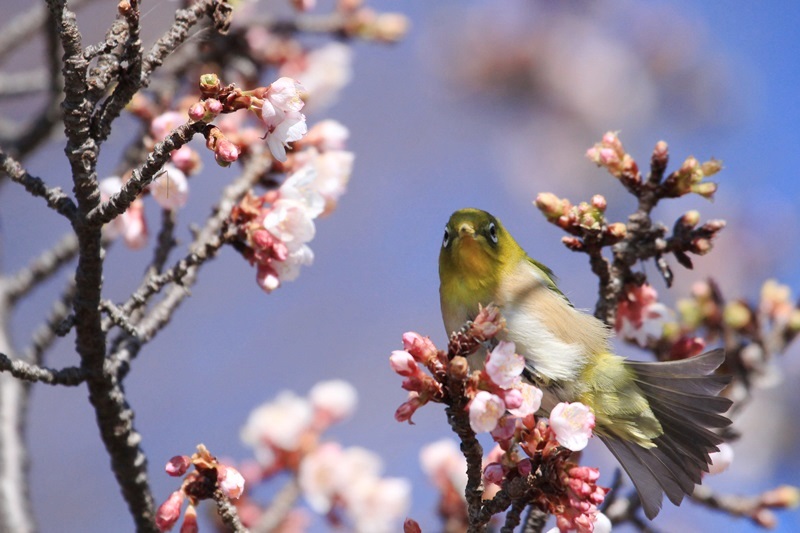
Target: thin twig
42, 268
227, 512
56, 198
70, 376
279, 508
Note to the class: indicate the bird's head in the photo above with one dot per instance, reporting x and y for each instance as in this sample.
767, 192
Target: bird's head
475, 244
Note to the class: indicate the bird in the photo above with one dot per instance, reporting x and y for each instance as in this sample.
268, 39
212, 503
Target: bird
656, 418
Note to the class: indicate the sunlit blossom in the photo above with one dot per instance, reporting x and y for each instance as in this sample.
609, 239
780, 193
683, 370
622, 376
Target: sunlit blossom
573, 424
485, 410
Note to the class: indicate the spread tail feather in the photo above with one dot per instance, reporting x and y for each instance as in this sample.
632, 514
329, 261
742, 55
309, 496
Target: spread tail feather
683, 397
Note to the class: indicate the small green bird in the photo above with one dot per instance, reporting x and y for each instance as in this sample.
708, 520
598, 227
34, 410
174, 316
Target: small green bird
654, 417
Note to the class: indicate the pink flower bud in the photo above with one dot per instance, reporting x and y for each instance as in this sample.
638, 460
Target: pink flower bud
178, 465
408, 408
421, 348
403, 363
169, 511
550, 205
599, 202
213, 106
197, 111
493, 473
189, 524
226, 152
525, 467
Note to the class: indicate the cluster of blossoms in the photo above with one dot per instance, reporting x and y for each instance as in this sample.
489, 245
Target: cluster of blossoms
343, 484
499, 402
640, 316
208, 477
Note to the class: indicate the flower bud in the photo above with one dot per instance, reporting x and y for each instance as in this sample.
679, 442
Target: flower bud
661, 152
736, 315
599, 202
573, 243
550, 205
783, 497
701, 246
711, 167
617, 230
421, 348
210, 84
189, 524
197, 111
169, 511
459, 368
690, 219
390, 27
705, 189
178, 465
403, 363
493, 473
714, 226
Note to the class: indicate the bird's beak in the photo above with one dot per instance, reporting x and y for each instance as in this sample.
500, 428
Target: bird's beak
466, 230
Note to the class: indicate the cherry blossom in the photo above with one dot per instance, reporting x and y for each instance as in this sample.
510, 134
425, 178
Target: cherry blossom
280, 112
279, 423
231, 482
531, 400
485, 410
170, 188
640, 316
324, 72
336, 398
504, 366
573, 424
131, 224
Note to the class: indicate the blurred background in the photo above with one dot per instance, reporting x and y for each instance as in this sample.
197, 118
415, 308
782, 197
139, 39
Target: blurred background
484, 104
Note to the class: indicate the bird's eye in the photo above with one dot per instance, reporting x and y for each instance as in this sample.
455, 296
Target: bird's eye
493, 232
446, 239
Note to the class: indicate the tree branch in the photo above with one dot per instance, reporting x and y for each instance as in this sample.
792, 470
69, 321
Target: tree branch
56, 198
70, 376
41, 268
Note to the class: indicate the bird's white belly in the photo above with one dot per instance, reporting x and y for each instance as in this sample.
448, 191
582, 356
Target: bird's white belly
548, 355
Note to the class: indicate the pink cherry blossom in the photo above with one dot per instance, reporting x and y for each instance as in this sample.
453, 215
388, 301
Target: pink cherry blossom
531, 400
131, 224
573, 424
327, 135
444, 463
409, 407
291, 222
324, 72
164, 123
640, 317
485, 410
318, 476
504, 366
231, 482
280, 423
280, 112
378, 505
336, 398
289, 269
170, 188
302, 187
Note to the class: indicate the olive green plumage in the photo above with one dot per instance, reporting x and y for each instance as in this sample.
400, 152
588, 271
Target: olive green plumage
654, 417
